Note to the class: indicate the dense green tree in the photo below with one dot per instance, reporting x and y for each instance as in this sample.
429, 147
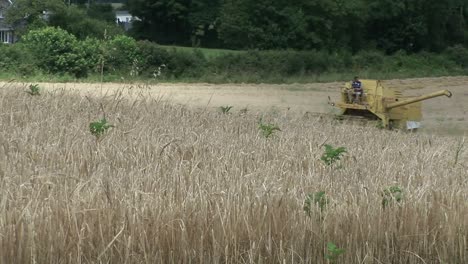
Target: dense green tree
446, 24
348, 29
414, 25
30, 14
165, 21
203, 21
315, 24
261, 24
104, 12
76, 21
92, 21
235, 27
396, 24
388, 25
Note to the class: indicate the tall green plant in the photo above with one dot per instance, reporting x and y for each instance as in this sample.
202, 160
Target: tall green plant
332, 154
98, 128
319, 199
225, 109
34, 90
393, 194
333, 252
268, 129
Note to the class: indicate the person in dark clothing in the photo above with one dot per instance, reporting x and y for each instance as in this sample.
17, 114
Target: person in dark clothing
356, 91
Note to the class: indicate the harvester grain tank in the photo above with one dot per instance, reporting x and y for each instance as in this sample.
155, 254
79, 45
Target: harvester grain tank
385, 104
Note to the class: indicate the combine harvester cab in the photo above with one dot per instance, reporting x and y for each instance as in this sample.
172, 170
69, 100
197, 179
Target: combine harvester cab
385, 104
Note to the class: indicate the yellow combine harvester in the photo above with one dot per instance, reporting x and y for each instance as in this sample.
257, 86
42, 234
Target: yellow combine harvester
386, 104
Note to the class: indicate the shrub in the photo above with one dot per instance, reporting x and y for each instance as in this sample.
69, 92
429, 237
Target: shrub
58, 51
293, 63
252, 61
369, 59
152, 56
341, 60
458, 54
89, 54
186, 64
17, 58
316, 61
228, 63
54, 48
121, 53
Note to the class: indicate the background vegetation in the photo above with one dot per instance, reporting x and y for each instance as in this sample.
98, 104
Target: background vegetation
54, 51
388, 26
255, 41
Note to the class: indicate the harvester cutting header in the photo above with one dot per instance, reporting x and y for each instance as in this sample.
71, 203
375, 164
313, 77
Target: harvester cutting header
370, 99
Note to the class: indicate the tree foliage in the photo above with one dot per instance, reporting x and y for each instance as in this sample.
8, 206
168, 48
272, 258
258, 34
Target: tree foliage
330, 25
76, 21
31, 14
388, 25
58, 51
76, 18
163, 20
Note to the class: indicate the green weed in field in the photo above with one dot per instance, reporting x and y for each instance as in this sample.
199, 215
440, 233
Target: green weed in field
320, 199
34, 90
332, 155
225, 109
391, 195
268, 129
98, 128
333, 252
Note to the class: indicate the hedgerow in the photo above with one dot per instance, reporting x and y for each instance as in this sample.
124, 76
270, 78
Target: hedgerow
55, 51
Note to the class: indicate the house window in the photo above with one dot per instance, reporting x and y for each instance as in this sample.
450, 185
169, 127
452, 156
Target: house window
6, 37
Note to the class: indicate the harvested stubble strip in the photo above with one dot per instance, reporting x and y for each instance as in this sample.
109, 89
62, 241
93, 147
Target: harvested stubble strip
175, 185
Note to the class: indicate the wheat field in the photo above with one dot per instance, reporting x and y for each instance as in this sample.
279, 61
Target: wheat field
176, 184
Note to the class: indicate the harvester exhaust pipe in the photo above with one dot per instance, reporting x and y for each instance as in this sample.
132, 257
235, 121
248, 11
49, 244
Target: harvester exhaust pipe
418, 99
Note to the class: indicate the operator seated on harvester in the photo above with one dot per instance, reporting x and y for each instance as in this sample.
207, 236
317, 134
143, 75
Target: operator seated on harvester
355, 93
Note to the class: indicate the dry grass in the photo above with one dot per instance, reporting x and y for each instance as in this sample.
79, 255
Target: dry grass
170, 184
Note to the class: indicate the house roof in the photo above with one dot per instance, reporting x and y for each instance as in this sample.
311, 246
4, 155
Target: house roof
4, 26
5, 3
122, 13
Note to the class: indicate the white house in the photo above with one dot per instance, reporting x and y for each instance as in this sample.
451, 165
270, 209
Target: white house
125, 19
6, 31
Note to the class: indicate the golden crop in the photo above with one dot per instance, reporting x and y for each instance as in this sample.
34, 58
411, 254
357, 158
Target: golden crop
172, 184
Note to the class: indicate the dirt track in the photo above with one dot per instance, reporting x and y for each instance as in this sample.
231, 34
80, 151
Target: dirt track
440, 114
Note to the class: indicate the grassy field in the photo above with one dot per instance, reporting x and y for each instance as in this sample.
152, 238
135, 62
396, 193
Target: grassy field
175, 184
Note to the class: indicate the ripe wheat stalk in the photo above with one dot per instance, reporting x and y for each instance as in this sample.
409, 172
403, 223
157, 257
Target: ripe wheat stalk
169, 184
